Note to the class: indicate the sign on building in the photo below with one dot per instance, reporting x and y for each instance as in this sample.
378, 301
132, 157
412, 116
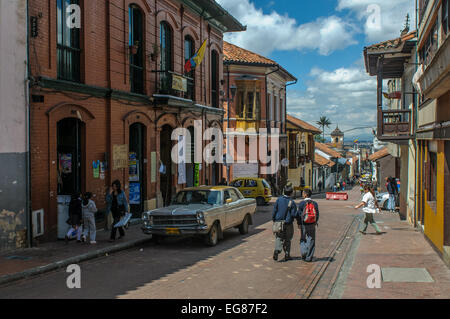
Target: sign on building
120, 156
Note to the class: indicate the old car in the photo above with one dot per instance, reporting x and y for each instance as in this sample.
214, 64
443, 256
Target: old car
201, 211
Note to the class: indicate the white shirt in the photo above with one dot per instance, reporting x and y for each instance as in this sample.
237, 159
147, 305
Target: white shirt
369, 200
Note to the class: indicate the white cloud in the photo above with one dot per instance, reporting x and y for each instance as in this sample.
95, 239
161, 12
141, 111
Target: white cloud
347, 96
390, 21
268, 32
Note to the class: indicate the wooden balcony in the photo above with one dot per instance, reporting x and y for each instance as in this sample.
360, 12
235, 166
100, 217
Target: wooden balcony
394, 125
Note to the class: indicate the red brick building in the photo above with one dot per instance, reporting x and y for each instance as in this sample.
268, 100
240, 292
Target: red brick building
114, 89
257, 89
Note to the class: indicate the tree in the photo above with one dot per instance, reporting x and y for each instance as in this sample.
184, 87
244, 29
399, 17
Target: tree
324, 122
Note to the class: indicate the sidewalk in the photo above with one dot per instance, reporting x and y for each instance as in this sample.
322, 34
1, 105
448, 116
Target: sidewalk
20, 264
410, 268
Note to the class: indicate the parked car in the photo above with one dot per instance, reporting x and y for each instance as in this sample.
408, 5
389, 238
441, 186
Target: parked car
382, 199
205, 211
252, 187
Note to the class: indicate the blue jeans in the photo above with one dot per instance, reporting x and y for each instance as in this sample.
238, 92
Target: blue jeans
391, 202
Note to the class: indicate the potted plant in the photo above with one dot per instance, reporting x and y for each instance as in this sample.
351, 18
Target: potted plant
134, 48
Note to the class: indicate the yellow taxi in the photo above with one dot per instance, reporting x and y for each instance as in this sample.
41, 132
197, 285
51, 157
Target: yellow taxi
254, 187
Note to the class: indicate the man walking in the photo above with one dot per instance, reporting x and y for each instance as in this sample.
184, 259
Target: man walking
320, 186
307, 219
283, 216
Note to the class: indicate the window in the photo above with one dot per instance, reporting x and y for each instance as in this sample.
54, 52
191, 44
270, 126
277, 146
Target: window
238, 183
431, 45
445, 14
251, 183
293, 151
136, 31
68, 44
214, 79
165, 42
248, 101
189, 51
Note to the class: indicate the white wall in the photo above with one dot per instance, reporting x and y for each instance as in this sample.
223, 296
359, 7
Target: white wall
13, 56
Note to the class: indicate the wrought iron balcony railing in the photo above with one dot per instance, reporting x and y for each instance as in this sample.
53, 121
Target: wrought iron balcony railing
174, 84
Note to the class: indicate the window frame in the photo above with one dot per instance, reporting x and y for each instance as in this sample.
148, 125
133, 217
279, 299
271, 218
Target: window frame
215, 88
68, 55
137, 72
190, 94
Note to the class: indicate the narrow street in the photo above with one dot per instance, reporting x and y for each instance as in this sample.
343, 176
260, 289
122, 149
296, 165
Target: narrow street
238, 267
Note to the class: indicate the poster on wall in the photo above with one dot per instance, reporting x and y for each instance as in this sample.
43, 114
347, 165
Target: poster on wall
65, 163
120, 156
153, 165
135, 193
196, 175
102, 170
96, 168
133, 168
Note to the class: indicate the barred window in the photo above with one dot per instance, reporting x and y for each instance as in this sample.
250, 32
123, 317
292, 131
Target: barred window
136, 31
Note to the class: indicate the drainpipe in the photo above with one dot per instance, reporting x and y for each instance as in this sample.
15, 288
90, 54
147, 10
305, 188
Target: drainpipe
28, 135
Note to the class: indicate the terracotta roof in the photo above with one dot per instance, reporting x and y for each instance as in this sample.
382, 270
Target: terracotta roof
329, 151
378, 155
393, 43
304, 125
322, 161
233, 53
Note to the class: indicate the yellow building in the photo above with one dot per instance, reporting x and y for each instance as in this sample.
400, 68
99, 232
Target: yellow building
301, 149
432, 81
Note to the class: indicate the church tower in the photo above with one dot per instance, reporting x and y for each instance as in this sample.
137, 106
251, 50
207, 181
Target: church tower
337, 139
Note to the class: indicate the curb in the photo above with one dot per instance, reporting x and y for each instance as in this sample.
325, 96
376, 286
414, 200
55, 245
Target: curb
72, 260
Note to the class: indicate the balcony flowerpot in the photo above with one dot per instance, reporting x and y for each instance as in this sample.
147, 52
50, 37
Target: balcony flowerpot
134, 48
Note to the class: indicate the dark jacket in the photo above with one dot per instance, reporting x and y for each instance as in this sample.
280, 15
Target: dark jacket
301, 211
281, 211
75, 212
391, 188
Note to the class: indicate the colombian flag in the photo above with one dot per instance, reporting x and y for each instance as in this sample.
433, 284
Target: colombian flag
196, 60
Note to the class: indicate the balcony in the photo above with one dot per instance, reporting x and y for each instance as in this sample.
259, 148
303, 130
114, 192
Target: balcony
173, 84
435, 80
394, 125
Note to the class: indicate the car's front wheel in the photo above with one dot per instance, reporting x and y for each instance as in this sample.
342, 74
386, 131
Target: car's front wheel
213, 236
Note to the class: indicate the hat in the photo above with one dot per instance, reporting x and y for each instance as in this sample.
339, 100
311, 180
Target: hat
288, 188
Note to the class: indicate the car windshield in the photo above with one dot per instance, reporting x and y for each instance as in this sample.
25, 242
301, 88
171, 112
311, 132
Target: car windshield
266, 185
197, 197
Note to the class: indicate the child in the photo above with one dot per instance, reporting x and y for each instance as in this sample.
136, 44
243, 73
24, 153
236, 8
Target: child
75, 218
89, 210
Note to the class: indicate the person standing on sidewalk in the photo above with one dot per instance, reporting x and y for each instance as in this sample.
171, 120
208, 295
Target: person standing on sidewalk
370, 205
392, 190
320, 186
118, 206
89, 210
283, 216
75, 218
307, 220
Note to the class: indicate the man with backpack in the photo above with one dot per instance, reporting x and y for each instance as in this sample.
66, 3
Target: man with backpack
307, 220
283, 218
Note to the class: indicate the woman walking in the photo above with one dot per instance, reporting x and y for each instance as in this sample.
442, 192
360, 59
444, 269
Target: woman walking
118, 206
370, 205
89, 210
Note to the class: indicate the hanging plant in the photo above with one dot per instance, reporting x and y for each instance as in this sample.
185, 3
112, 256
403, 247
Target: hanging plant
155, 53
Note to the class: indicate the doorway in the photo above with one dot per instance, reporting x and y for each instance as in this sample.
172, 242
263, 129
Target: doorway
137, 176
69, 146
166, 145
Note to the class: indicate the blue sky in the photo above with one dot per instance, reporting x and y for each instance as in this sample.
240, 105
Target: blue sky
321, 43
